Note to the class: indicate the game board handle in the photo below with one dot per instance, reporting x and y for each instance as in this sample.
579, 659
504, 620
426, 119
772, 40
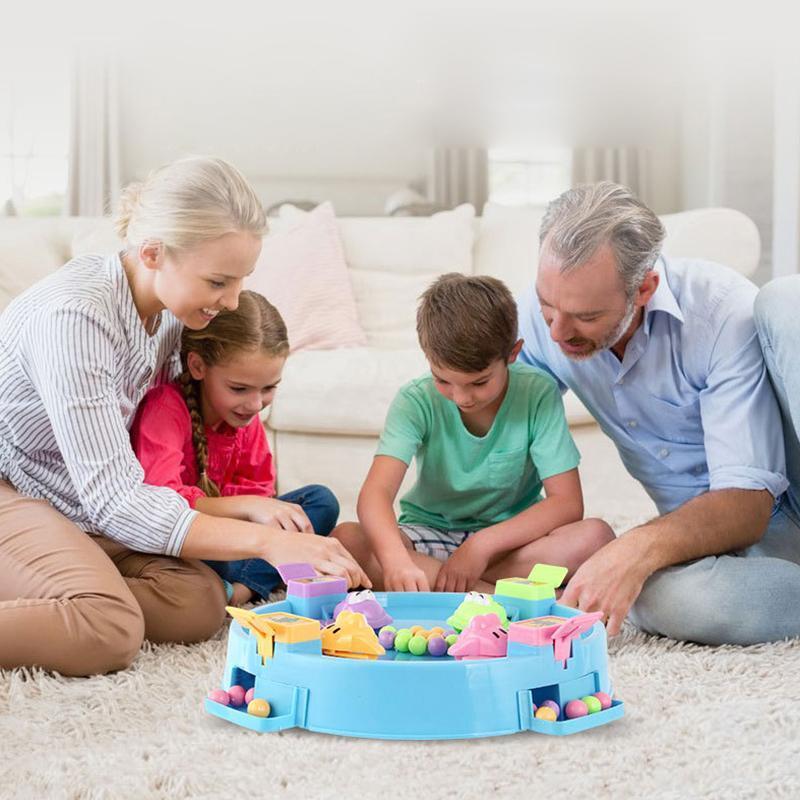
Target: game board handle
569, 630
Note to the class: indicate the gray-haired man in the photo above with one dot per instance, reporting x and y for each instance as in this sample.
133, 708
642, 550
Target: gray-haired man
666, 356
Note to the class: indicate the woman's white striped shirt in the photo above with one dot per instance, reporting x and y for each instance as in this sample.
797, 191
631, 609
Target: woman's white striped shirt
75, 360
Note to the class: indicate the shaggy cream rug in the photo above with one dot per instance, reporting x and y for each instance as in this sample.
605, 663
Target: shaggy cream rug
700, 723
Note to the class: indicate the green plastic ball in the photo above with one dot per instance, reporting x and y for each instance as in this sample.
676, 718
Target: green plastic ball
388, 628
418, 646
592, 703
401, 640
451, 639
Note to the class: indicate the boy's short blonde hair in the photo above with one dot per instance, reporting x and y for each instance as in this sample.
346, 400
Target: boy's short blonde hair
466, 322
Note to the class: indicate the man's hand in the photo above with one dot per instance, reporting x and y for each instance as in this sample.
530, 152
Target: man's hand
609, 581
464, 568
405, 577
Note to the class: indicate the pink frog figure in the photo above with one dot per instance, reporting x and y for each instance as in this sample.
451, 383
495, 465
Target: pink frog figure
484, 637
365, 602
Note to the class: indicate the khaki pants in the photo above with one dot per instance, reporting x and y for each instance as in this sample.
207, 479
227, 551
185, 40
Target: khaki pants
81, 604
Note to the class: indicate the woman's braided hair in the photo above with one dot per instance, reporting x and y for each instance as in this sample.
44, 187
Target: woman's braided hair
255, 326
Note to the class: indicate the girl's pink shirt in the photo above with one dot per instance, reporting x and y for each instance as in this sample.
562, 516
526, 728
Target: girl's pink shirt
239, 459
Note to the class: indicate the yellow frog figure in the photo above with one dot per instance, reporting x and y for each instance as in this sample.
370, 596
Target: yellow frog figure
350, 636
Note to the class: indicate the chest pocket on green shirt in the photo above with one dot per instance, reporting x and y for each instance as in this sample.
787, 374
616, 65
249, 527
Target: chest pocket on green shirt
506, 467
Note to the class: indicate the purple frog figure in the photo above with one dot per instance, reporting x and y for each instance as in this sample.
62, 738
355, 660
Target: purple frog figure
364, 602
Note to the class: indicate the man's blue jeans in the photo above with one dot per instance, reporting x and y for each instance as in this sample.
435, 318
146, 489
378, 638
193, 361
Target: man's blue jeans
321, 508
752, 595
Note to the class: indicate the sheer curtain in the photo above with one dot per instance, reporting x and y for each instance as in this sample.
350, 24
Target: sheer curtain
459, 175
34, 123
629, 166
94, 150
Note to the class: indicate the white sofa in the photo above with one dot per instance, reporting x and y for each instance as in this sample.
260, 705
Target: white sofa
327, 415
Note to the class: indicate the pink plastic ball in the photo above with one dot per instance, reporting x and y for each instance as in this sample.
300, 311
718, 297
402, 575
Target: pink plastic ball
236, 694
576, 708
386, 638
605, 700
220, 696
248, 695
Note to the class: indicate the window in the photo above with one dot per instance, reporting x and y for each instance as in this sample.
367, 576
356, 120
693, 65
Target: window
529, 179
34, 132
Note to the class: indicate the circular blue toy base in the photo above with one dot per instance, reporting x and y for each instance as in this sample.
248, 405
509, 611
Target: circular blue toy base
403, 696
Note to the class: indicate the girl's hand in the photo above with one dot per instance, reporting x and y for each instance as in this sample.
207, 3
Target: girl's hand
405, 577
327, 556
271, 511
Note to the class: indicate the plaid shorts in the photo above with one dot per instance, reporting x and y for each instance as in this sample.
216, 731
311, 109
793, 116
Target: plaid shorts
434, 541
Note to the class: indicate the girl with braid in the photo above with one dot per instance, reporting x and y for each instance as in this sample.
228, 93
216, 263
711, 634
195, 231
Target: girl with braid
202, 436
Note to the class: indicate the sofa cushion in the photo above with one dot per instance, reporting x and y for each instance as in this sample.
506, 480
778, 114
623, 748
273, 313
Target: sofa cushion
716, 234
342, 391
26, 256
393, 261
387, 306
302, 271
94, 235
436, 244
349, 391
508, 244
508, 241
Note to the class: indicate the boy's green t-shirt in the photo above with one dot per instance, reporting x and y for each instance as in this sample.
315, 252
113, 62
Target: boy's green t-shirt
467, 482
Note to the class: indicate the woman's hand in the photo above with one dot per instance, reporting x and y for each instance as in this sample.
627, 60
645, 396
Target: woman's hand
327, 556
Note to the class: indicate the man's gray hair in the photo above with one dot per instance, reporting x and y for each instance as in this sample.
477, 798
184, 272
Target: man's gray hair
588, 216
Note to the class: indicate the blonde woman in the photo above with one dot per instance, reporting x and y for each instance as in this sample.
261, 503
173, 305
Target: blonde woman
92, 559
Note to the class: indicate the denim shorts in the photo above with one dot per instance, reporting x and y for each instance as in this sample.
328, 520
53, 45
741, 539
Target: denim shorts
261, 577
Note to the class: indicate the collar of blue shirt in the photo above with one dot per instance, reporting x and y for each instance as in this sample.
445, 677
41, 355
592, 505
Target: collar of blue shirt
662, 300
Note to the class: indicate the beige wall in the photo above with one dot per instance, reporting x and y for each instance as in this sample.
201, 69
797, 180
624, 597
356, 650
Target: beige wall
363, 89
353, 90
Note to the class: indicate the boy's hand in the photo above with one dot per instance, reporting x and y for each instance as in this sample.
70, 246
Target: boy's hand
405, 578
463, 569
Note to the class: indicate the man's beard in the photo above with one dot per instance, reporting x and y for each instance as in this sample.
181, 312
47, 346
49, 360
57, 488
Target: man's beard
609, 340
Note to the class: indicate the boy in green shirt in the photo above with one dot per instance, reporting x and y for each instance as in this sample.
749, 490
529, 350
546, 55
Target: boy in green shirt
488, 435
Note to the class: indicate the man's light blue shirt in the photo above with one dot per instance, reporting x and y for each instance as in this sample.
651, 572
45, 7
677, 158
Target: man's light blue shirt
690, 407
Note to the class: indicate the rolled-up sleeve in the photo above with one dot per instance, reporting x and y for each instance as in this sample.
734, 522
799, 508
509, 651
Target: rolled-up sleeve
72, 364
741, 419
